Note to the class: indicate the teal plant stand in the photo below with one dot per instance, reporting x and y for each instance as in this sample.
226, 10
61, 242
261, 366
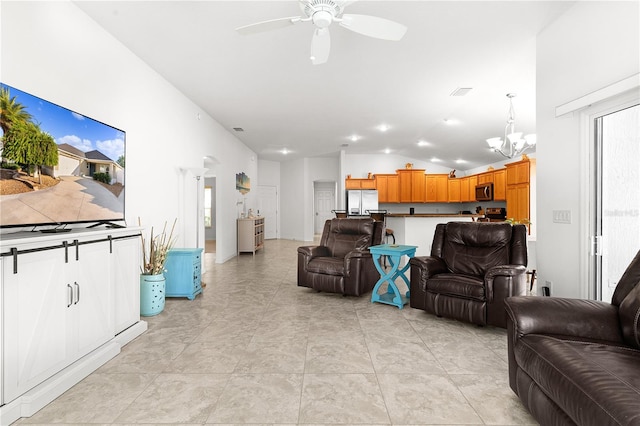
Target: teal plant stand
182, 272
394, 253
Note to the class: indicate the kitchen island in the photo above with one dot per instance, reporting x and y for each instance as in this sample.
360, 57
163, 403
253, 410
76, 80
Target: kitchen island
418, 229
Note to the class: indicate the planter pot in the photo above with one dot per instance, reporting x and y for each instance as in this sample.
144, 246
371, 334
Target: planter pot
152, 294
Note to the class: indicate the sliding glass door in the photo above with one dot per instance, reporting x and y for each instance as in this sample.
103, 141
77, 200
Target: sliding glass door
616, 197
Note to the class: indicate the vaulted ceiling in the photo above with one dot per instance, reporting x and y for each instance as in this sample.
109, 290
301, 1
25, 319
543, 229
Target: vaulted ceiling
265, 83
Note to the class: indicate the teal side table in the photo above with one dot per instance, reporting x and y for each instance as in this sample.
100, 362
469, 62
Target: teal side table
394, 253
182, 273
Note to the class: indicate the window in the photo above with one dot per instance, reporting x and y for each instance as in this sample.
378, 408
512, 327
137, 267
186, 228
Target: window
208, 193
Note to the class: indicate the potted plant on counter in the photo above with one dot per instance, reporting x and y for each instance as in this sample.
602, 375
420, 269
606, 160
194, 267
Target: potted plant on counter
152, 281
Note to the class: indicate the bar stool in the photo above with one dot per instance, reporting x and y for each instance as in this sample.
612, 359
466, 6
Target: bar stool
340, 214
380, 216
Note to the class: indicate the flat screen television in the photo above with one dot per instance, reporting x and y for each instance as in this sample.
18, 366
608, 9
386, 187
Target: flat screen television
59, 167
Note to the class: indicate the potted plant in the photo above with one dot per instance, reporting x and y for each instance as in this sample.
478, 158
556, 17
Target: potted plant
152, 281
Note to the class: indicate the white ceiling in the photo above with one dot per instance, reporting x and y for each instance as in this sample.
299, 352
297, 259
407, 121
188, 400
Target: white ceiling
266, 84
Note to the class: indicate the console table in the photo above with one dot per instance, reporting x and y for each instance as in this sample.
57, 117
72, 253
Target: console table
394, 253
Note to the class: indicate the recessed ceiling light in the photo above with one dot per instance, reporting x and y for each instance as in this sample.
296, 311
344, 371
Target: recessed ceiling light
285, 151
387, 151
383, 127
450, 121
354, 138
435, 160
460, 161
423, 143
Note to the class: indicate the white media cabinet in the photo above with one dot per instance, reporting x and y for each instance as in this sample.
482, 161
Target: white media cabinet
69, 302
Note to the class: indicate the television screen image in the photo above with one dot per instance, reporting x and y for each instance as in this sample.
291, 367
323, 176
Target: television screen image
58, 166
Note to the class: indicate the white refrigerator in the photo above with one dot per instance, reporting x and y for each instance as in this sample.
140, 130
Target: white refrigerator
359, 201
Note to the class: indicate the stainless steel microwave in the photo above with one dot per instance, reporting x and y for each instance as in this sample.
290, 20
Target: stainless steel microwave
484, 192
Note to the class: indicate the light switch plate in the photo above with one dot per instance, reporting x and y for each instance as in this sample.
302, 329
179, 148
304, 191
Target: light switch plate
562, 216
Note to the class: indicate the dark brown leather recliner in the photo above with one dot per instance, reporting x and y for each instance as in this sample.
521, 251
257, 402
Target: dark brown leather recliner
342, 262
473, 267
577, 361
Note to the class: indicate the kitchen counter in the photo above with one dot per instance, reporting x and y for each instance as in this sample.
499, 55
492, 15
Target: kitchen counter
418, 229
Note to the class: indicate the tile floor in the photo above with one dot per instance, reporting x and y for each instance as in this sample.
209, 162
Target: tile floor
257, 349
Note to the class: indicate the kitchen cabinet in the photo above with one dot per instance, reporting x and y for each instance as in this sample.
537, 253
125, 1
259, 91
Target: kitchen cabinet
486, 177
473, 181
437, 188
518, 192
357, 183
388, 188
59, 308
500, 185
411, 185
182, 273
464, 190
518, 172
250, 234
518, 201
454, 190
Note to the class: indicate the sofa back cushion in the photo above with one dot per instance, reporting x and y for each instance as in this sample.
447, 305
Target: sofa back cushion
471, 248
629, 314
345, 235
628, 281
627, 298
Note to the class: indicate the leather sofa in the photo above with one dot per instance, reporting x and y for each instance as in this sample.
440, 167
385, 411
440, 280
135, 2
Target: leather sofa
577, 362
342, 262
473, 267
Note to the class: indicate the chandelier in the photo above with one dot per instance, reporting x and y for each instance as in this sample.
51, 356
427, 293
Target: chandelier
513, 143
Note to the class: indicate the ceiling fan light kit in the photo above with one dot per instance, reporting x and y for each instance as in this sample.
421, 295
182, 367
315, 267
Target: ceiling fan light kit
513, 143
322, 13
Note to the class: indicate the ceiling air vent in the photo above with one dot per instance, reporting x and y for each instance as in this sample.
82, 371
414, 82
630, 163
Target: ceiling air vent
238, 129
461, 91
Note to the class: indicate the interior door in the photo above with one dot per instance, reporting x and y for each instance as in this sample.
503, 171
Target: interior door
616, 236
325, 202
268, 208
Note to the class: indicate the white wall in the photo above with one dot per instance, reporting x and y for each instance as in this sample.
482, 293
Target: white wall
54, 51
358, 165
593, 45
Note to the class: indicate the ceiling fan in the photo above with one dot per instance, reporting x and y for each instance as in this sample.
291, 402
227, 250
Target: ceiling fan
322, 13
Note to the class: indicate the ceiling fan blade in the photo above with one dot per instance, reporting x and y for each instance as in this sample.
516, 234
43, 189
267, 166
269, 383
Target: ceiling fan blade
273, 24
373, 26
320, 46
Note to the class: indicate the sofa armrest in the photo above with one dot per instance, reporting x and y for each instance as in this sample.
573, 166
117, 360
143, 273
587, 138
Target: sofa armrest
505, 270
578, 318
428, 266
314, 251
354, 256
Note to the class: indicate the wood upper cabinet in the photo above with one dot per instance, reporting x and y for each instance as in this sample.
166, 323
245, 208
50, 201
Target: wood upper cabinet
387, 186
486, 177
518, 172
500, 185
454, 190
465, 193
436, 188
351, 183
473, 181
408, 179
